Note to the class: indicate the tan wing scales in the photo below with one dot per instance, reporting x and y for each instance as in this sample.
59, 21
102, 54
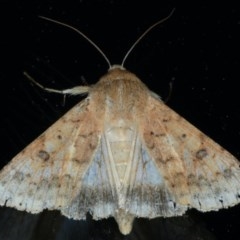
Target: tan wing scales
199, 173
48, 173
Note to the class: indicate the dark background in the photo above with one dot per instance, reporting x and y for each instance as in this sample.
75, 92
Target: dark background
197, 49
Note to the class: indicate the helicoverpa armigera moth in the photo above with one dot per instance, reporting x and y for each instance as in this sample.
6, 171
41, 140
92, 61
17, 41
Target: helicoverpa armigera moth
120, 152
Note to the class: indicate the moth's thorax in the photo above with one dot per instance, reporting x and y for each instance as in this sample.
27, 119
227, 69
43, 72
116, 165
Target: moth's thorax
120, 93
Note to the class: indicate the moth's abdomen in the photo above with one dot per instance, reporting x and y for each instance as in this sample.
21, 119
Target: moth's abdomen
120, 140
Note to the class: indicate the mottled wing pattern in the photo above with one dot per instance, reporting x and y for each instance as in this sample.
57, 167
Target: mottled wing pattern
96, 195
195, 171
148, 193
48, 174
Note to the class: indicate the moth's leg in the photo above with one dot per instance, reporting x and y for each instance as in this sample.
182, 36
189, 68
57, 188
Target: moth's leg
72, 91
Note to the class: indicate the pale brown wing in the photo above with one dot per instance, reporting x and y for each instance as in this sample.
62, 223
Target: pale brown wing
58, 167
196, 171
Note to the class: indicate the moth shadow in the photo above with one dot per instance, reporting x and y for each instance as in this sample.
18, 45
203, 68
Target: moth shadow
51, 225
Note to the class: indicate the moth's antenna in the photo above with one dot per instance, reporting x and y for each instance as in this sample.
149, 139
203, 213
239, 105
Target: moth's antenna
82, 34
144, 34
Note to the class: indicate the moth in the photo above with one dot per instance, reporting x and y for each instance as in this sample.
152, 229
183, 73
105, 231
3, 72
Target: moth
122, 153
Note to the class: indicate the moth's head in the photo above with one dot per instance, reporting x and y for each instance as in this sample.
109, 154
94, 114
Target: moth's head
116, 66
118, 72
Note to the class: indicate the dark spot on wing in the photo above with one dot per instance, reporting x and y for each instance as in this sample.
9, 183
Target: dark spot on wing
227, 173
157, 134
86, 135
165, 120
92, 146
76, 161
202, 153
43, 155
184, 135
19, 176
